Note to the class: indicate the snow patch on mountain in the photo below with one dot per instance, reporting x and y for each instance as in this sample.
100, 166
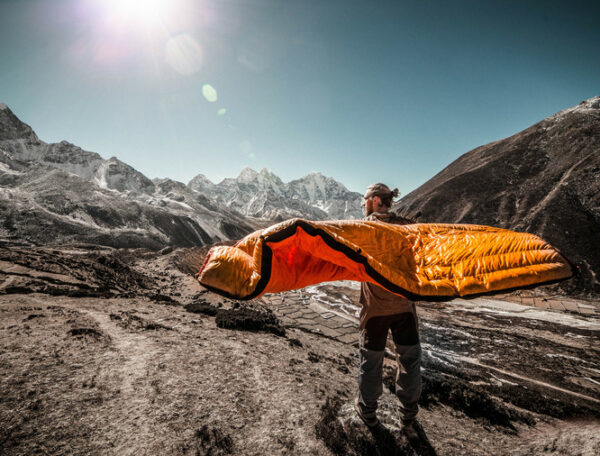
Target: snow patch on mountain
201, 182
5, 169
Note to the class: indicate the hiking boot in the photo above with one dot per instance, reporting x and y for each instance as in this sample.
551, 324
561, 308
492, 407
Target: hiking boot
370, 419
410, 429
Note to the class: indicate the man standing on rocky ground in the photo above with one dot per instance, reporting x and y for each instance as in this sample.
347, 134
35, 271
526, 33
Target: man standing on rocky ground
383, 311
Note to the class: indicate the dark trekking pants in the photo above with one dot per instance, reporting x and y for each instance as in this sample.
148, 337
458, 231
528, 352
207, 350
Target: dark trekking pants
408, 355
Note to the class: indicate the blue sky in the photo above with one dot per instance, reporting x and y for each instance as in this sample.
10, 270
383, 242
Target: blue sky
362, 91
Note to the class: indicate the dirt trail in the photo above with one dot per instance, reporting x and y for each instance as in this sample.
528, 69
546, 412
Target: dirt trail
137, 350
540, 383
542, 204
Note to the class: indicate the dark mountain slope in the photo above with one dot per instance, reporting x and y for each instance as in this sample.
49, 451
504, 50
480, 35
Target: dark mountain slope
543, 180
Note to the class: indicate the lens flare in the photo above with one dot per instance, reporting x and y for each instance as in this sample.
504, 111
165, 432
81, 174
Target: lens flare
209, 92
184, 54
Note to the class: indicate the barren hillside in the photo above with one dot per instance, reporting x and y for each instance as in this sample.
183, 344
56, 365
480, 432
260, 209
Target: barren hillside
544, 180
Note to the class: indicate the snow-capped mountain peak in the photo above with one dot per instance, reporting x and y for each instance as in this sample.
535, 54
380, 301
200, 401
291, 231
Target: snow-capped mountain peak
589, 106
263, 194
247, 175
263, 178
22, 143
200, 183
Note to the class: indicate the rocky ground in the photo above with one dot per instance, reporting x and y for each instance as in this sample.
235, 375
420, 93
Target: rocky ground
106, 351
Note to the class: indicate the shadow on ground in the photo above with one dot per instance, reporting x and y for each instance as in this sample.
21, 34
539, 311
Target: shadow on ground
344, 434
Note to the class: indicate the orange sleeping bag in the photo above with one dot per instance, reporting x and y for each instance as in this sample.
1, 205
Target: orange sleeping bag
422, 261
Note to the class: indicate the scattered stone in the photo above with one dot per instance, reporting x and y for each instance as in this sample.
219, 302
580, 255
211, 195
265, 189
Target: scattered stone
163, 299
82, 332
287, 442
165, 251
213, 442
130, 320
249, 320
151, 325
202, 308
294, 342
313, 357
343, 369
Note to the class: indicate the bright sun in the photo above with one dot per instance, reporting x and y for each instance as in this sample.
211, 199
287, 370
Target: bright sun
127, 30
140, 12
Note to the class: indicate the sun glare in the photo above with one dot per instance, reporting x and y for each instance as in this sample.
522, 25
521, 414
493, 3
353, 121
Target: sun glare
128, 32
140, 12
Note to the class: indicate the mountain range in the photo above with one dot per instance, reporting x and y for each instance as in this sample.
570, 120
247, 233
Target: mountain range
263, 194
59, 193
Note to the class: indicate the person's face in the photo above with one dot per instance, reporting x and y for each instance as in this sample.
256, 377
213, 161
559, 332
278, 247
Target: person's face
368, 204
365, 203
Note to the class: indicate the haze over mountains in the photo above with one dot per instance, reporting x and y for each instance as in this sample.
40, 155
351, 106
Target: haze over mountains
543, 180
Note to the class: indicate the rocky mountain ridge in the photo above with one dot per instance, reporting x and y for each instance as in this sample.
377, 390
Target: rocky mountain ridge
57, 193
19, 140
60, 193
263, 194
543, 180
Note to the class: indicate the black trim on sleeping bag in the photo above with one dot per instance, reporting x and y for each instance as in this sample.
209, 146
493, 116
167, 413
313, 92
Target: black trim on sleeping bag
267, 258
